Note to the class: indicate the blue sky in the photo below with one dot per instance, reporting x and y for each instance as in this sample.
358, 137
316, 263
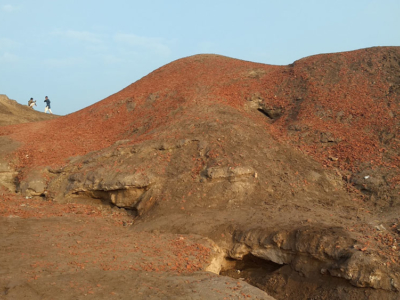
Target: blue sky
80, 52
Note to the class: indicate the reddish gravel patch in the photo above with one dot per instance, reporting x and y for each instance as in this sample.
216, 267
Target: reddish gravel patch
349, 95
51, 238
342, 109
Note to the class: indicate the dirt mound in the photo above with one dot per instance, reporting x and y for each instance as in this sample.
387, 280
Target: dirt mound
293, 171
12, 112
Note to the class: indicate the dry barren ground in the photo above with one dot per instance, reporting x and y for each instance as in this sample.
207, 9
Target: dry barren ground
78, 251
284, 177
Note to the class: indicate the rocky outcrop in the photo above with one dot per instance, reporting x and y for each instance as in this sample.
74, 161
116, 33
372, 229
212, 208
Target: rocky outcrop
312, 252
8, 174
34, 184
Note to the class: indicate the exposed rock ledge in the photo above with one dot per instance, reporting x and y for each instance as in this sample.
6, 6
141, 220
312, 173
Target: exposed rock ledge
323, 251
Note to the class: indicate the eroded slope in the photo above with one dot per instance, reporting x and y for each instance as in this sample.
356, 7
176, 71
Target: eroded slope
295, 165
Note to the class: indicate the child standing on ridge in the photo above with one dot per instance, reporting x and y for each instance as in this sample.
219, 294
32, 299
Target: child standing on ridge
47, 100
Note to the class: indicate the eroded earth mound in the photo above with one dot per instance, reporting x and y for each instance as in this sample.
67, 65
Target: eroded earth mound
288, 176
